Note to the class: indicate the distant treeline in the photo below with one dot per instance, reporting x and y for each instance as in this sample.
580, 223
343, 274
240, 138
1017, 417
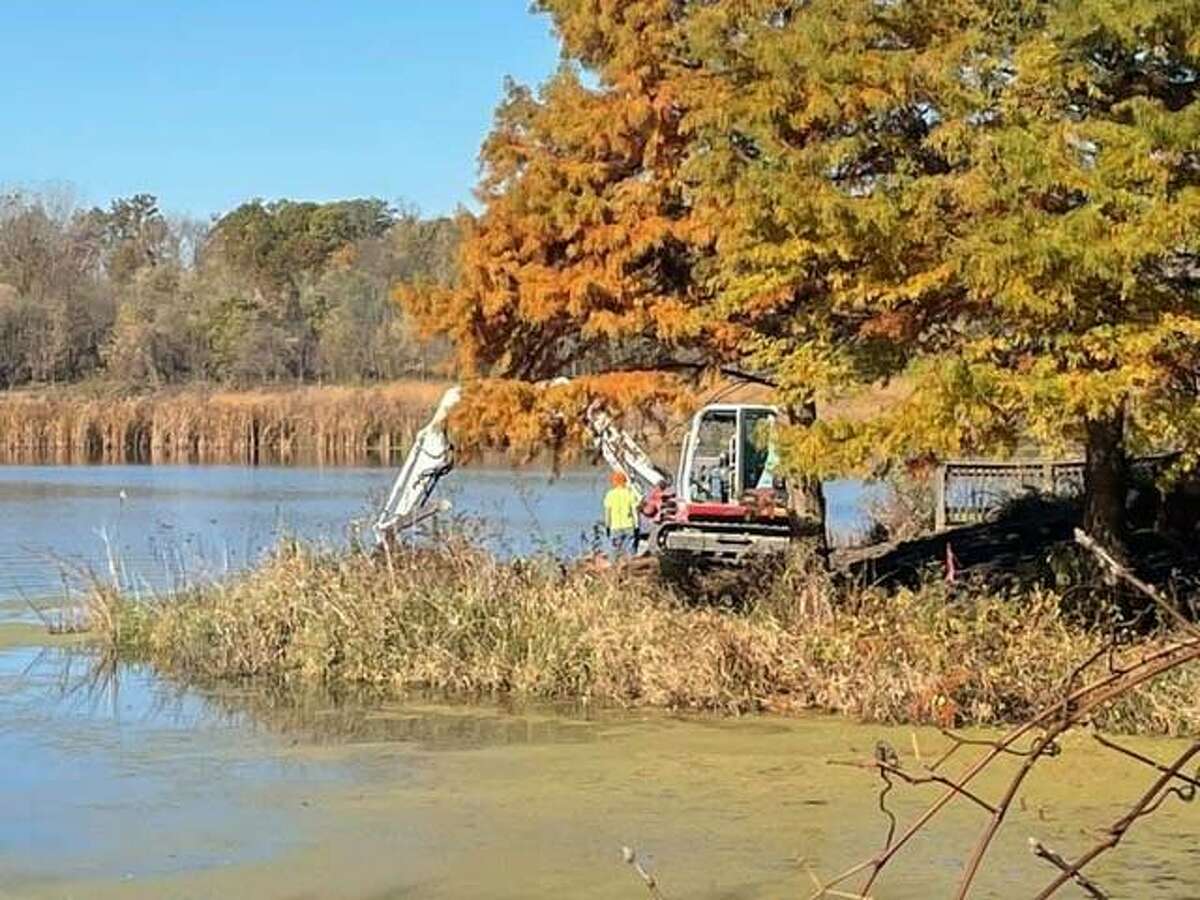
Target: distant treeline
284, 291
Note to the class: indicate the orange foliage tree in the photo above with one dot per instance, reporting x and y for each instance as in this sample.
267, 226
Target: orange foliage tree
997, 200
588, 258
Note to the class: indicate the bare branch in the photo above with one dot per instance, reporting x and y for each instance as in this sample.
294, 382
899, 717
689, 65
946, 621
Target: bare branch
1089, 887
915, 781
631, 858
1074, 705
1010, 793
728, 371
1145, 760
999, 746
825, 891
1120, 571
1146, 804
1055, 719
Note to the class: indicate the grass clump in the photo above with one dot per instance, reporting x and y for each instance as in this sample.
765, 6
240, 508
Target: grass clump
458, 619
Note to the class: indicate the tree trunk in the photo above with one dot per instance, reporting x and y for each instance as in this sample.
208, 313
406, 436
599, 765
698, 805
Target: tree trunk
806, 499
1106, 483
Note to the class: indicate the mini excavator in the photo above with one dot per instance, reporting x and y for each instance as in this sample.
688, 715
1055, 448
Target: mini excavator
725, 503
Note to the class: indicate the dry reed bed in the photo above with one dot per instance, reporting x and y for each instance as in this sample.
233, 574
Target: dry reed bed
461, 621
327, 425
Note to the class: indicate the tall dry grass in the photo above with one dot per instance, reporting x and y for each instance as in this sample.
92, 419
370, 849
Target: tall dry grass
457, 619
327, 425
92, 423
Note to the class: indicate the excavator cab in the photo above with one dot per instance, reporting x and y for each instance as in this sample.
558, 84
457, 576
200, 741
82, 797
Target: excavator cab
727, 454
727, 503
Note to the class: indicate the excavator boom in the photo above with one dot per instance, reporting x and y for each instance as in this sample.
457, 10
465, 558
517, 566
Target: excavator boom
431, 458
622, 453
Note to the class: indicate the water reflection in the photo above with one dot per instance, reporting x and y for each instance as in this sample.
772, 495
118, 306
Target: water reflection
122, 784
80, 681
97, 769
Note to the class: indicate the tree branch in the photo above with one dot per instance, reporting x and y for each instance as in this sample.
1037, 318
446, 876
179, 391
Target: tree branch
1089, 887
1055, 718
1146, 804
1123, 573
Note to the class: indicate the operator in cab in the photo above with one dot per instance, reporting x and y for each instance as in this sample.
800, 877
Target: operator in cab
621, 515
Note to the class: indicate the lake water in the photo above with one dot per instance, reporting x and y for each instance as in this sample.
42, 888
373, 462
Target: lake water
178, 523
125, 786
118, 783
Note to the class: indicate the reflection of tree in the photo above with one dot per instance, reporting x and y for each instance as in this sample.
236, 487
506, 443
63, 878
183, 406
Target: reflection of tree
353, 715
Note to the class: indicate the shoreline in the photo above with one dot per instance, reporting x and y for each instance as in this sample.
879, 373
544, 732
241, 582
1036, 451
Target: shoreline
460, 622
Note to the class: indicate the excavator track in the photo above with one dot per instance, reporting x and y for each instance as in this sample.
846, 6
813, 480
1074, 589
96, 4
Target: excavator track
716, 542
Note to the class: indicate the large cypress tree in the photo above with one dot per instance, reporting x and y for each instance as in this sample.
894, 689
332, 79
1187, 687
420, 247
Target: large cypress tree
586, 257
998, 200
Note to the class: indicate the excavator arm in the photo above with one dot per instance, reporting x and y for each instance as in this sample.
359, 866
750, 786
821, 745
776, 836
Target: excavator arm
431, 458
622, 453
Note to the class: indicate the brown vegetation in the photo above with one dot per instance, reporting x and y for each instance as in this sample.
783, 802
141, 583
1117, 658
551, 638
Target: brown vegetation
460, 620
1104, 679
322, 424
327, 425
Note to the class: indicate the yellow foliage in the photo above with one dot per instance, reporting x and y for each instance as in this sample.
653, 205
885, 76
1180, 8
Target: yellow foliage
1000, 208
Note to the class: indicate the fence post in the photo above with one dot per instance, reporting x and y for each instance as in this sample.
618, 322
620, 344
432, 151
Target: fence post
939, 498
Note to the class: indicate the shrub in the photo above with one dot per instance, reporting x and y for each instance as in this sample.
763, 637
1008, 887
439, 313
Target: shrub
458, 619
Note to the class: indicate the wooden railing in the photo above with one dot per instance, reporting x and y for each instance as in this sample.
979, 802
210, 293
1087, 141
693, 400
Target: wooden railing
966, 491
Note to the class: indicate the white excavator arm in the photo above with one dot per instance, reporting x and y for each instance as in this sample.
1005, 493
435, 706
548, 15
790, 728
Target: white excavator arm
622, 453
431, 458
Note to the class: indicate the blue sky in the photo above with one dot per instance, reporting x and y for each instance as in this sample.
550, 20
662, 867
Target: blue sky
209, 102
